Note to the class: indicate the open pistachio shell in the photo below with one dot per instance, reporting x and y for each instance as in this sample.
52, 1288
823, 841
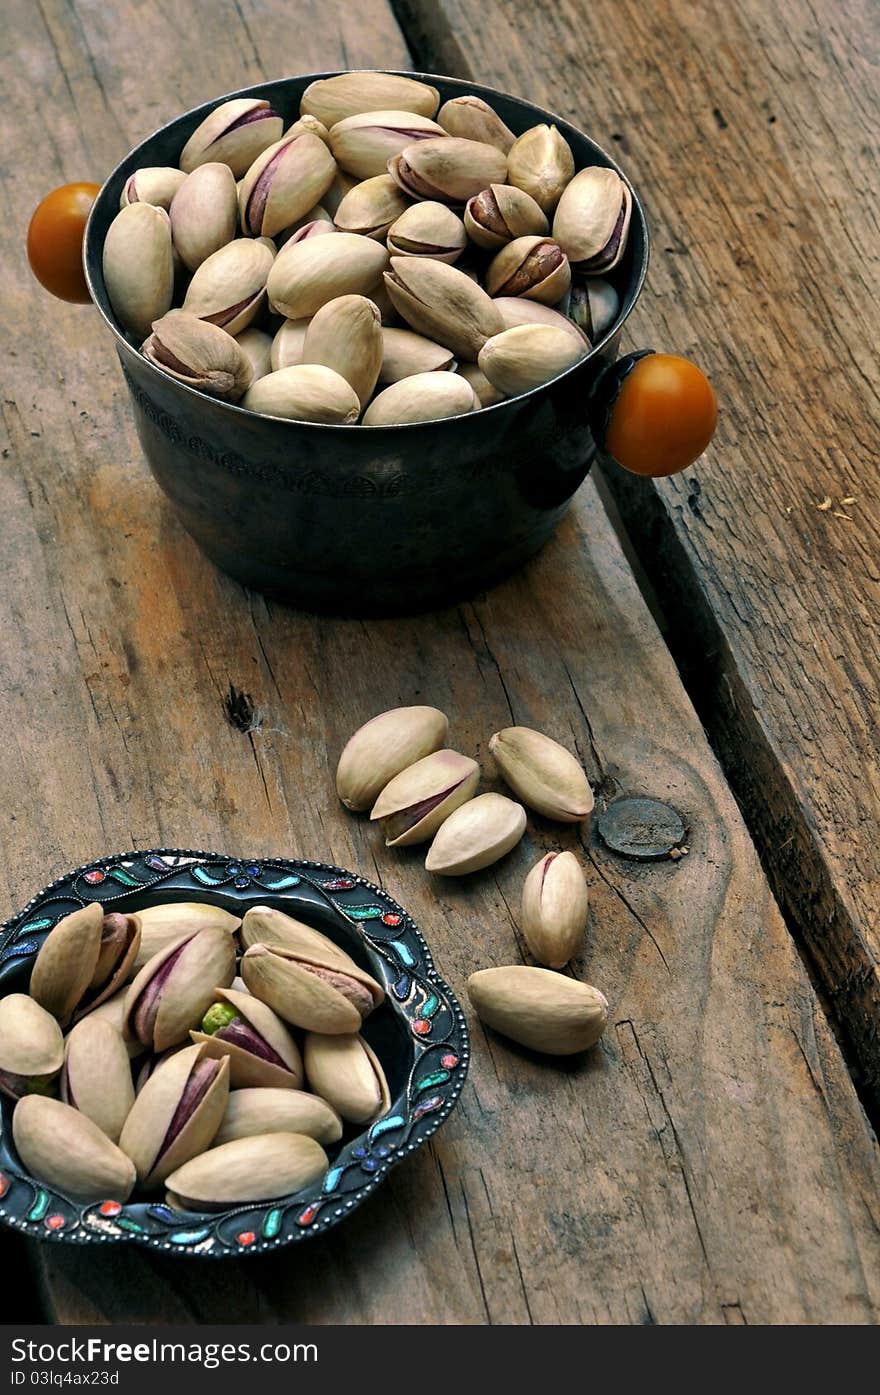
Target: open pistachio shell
31, 1046
415, 803
265, 1167
442, 303
449, 170
533, 267
345, 1071
260, 1049
544, 774
176, 1114
64, 1149
265, 925
84, 959
204, 213
175, 988
234, 134
362, 145
311, 992
198, 353
162, 924
517, 310
498, 214
594, 306
155, 184
251, 1112
371, 207
471, 118
112, 1010
256, 345
96, 1078
284, 182
347, 94
428, 229
553, 916
230, 286
592, 221
421, 397
541, 163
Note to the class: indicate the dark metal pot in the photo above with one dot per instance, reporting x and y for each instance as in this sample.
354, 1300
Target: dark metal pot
360, 519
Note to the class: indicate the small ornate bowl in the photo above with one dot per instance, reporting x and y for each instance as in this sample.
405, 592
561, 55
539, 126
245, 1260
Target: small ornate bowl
419, 1035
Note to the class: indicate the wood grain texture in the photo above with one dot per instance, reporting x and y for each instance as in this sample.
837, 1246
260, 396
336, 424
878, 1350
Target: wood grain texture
710, 1161
751, 133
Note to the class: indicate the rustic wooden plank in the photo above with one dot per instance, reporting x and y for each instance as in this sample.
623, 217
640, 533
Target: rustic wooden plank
749, 130
710, 1162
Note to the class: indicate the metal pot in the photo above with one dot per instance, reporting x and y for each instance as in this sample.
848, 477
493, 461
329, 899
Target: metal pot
367, 519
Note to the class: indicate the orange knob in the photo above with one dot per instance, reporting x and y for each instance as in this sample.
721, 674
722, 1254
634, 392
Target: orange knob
55, 240
662, 417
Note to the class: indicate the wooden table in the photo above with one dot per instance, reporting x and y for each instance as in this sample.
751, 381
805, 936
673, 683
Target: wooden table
712, 1160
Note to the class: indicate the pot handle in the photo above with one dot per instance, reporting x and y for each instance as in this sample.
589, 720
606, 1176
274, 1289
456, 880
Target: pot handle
653, 414
55, 241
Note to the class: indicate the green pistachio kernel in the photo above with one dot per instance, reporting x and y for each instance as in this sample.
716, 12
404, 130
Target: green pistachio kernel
218, 1015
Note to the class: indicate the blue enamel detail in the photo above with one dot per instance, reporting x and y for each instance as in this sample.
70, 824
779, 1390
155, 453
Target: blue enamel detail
403, 953
393, 1121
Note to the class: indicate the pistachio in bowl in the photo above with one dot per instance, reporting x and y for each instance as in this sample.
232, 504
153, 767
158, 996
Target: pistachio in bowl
211, 1055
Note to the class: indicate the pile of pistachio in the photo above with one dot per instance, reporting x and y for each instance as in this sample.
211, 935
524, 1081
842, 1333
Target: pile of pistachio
381, 260
139, 1060
398, 766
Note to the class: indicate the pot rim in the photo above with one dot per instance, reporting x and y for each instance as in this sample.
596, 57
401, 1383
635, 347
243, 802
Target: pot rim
467, 87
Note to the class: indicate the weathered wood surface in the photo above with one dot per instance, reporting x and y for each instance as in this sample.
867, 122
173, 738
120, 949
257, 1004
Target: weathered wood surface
710, 1161
751, 132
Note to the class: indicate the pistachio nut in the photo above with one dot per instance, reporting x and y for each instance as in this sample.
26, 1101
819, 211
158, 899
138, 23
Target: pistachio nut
449, 170
554, 909
428, 229
96, 1078
421, 397
261, 1050
152, 1063
345, 1071
288, 344
262, 1167
533, 267
305, 275
234, 134
378, 294
371, 207
307, 226
155, 184
310, 124
347, 94
256, 346
384, 746
495, 216
541, 163
112, 1010
204, 213
342, 184
592, 221
527, 356
346, 335
175, 988
230, 286
594, 306
176, 1114
31, 1047
404, 353
266, 925
517, 310
284, 182
485, 393
64, 1149
268, 1110
544, 774
539, 1008
164, 923
306, 392
413, 805
442, 303
138, 265
363, 145
471, 118
83, 960
199, 354
309, 988
476, 835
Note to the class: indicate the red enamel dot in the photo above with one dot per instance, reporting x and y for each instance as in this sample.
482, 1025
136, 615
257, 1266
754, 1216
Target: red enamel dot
247, 1237
391, 919
306, 1216
54, 1222
421, 1027
93, 878
110, 1208
4, 1184
449, 1061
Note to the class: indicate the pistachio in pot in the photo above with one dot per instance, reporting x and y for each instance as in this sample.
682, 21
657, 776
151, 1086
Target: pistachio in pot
310, 124
112, 1010
264, 1167
64, 1149
593, 306
592, 221
230, 286
266, 925
486, 394
421, 397
268, 1110
348, 94
306, 392
471, 118
234, 134
96, 1078
166, 921
363, 145
346, 1072
415, 803
346, 335
310, 989
176, 1114
260, 1049
404, 353
200, 354
371, 207
138, 265
256, 346
84, 959
428, 229
306, 275
500, 213
288, 344
449, 170
154, 184
342, 184
534, 267
540, 162
204, 213
527, 356
175, 988
442, 303
518, 310
284, 182
31, 1047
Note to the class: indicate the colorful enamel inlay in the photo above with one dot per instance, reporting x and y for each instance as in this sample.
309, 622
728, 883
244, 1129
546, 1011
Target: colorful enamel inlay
282, 883
428, 1107
430, 1006
189, 1237
272, 1223
22, 948
421, 1026
401, 987
33, 927
40, 1207
54, 1222
4, 1184
110, 1208
449, 1060
439, 1077
95, 877
158, 1212
308, 1215
247, 1237
332, 1177
391, 918
361, 912
338, 884
403, 952
391, 1121
205, 877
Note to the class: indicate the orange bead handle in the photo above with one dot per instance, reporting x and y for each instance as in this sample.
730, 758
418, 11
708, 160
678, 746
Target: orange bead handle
654, 414
55, 241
